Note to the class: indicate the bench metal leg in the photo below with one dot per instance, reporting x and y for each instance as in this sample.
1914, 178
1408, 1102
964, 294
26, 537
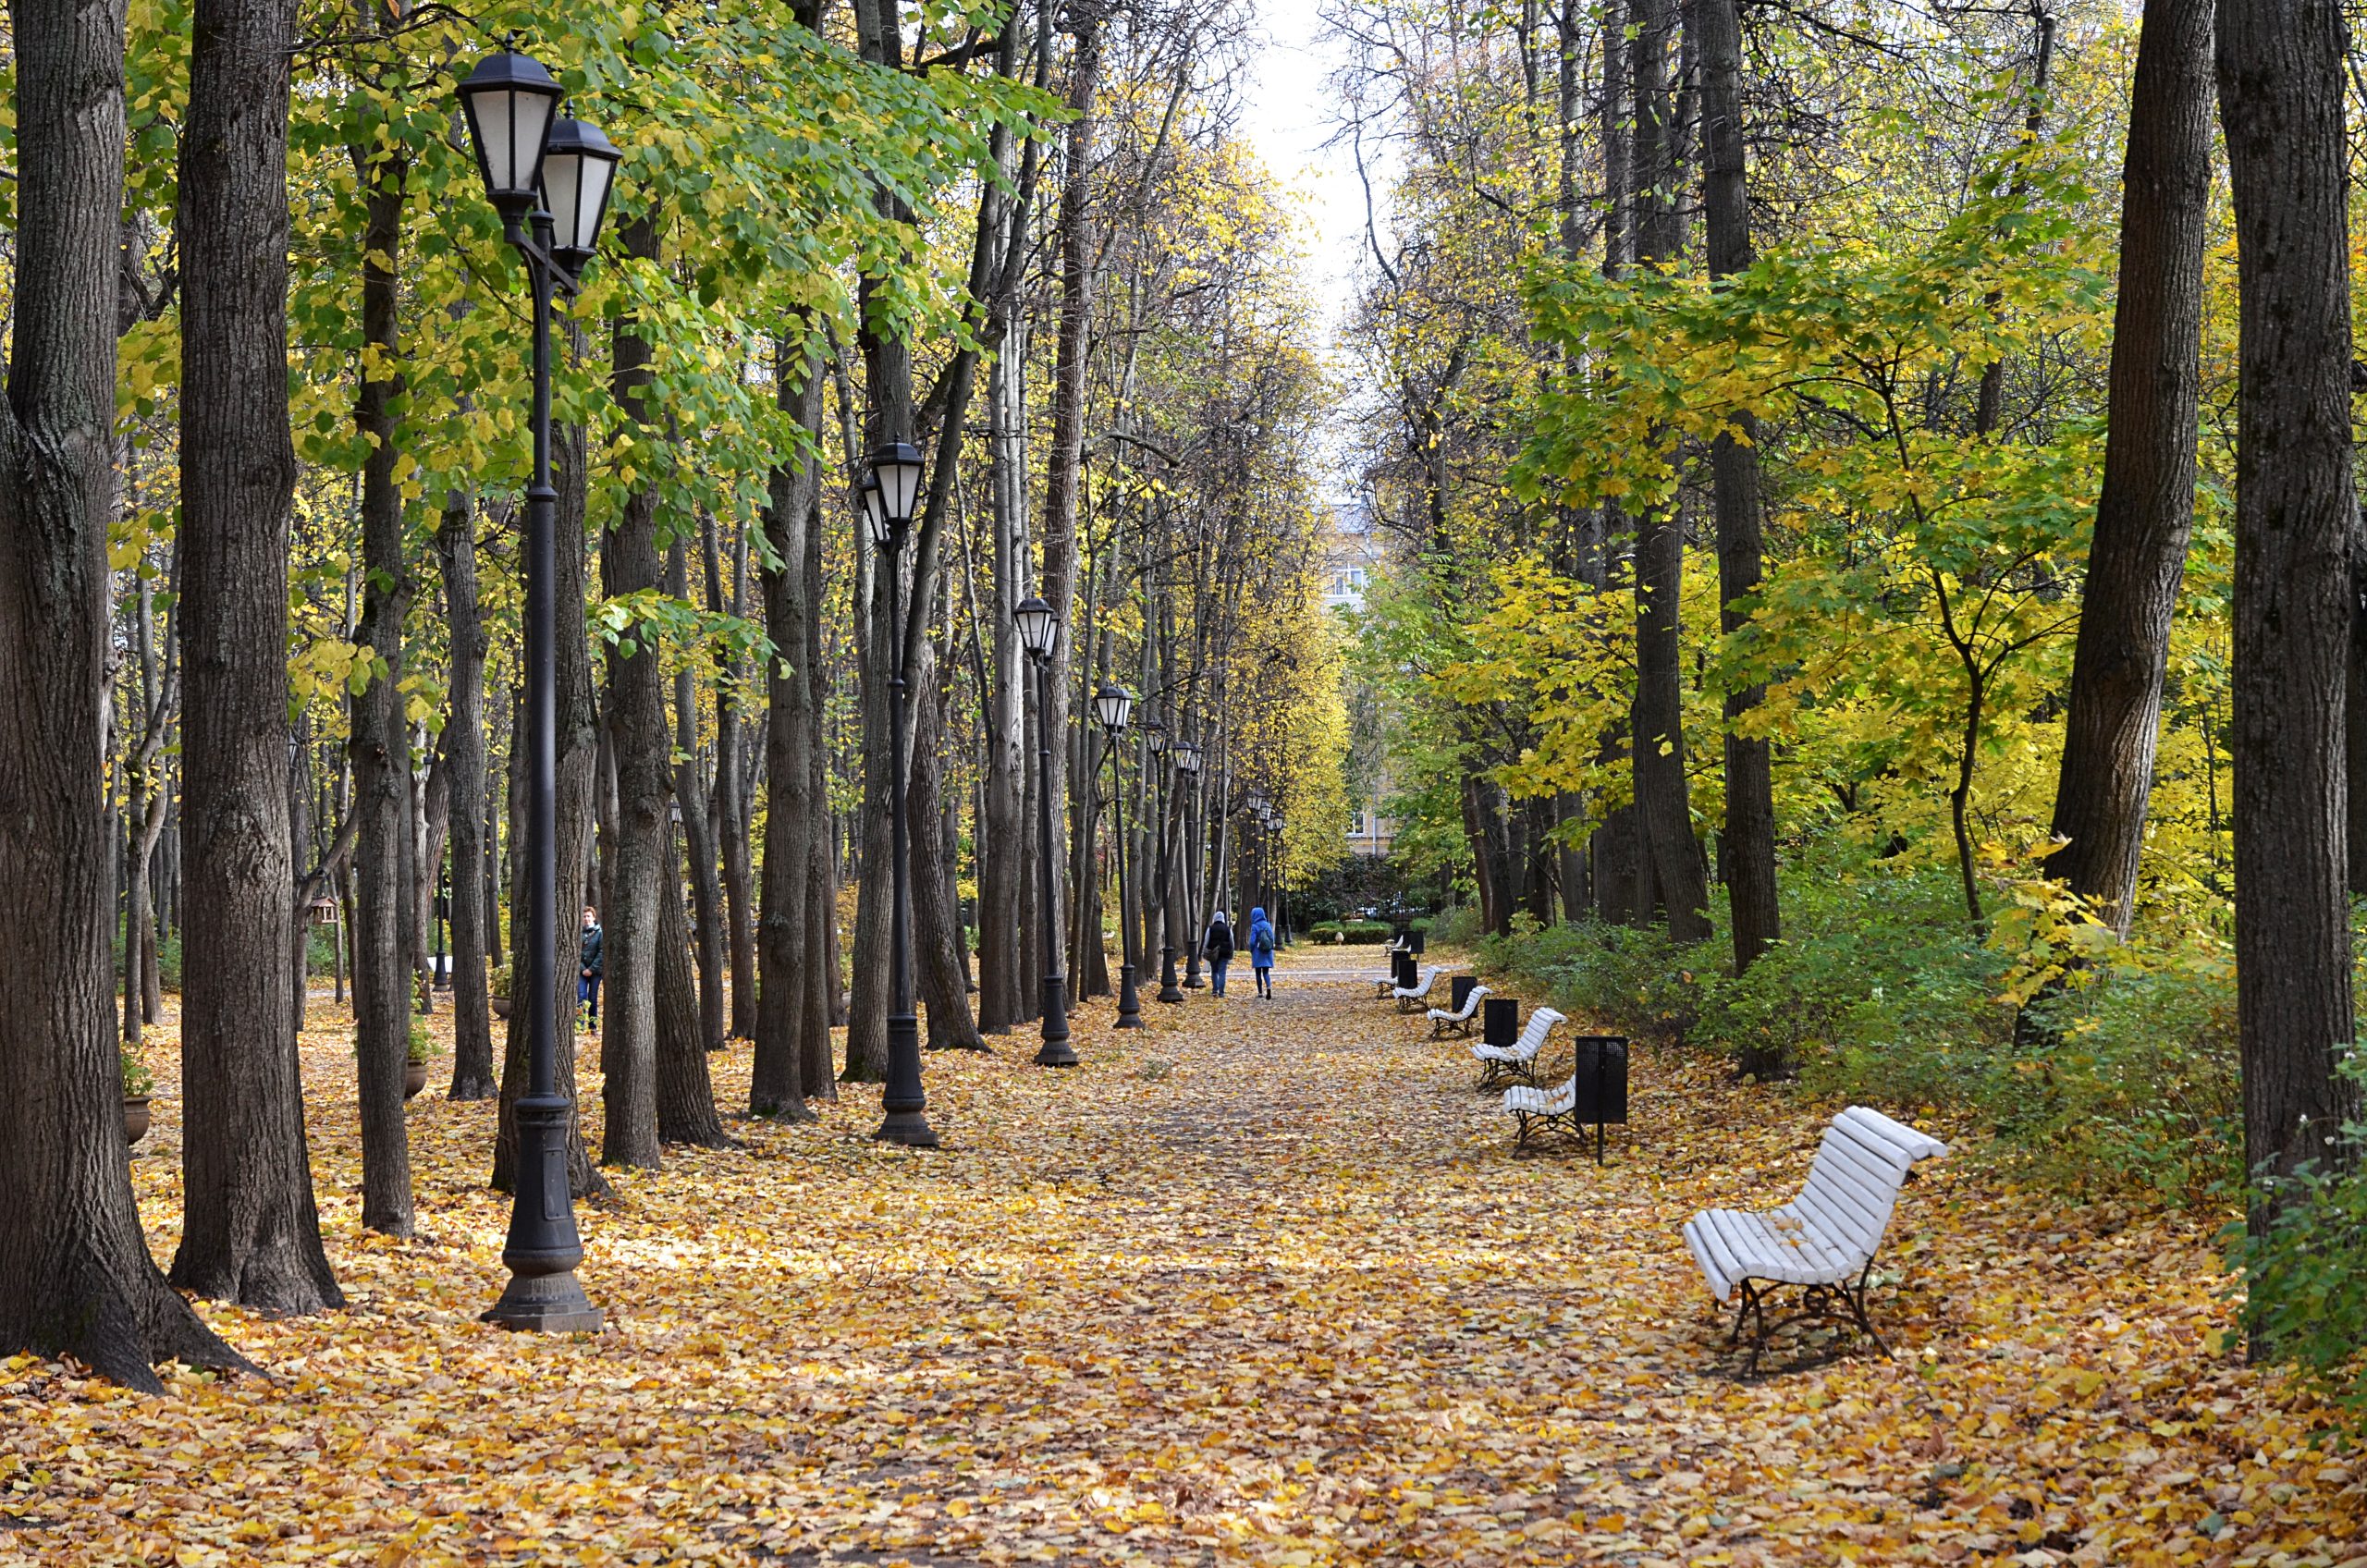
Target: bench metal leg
1817, 1300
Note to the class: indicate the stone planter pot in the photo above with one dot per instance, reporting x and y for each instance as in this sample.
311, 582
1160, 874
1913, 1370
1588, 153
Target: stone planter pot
501, 1007
415, 1078
135, 1118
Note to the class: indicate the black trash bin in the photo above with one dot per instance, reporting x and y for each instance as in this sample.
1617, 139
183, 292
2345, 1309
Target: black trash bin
1402, 968
1500, 1020
1458, 991
1414, 939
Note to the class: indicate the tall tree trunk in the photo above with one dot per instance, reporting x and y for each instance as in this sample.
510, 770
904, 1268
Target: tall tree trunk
795, 814
75, 1274
2280, 70
685, 1093
944, 991
380, 739
1750, 841
250, 1233
1664, 805
638, 741
1002, 869
730, 793
2146, 508
698, 827
1065, 474
464, 760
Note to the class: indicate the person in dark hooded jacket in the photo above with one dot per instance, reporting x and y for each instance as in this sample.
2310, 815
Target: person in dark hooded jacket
1216, 948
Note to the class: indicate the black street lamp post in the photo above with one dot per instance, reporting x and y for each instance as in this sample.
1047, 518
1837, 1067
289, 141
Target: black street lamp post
1039, 628
888, 495
1258, 809
549, 179
1281, 887
1156, 734
1188, 764
1112, 706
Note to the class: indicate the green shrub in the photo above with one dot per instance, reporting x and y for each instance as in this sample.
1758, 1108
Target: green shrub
137, 1080
499, 983
1351, 932
2306, 1301
423, 1044
1882, 991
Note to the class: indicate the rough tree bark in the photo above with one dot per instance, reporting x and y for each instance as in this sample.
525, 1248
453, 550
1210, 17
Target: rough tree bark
698, 828
731, 793
685, 1093
1065, 470
638, 740
2146, 509
1001, 868
2281, 74
464, 760
379, 744
75, 1274
944, 993
1664, 805
250, 1233
793, 815
1750, 841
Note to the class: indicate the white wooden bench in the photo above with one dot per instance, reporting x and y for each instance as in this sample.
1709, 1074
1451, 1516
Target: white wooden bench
1411, 997
1823, 1240
1517, 1061
1458, 1020
1603, 1058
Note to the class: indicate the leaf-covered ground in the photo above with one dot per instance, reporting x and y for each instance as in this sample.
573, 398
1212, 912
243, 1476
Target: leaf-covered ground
1263, 1284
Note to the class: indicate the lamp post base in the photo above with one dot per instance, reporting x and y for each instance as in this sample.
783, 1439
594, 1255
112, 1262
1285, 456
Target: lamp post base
1167, 989
909, 1128
1056, 1051
907, 1107
543, 1249
545, 1303
1129, 1005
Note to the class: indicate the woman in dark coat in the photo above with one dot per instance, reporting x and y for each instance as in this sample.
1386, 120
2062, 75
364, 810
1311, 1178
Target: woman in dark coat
1216, 948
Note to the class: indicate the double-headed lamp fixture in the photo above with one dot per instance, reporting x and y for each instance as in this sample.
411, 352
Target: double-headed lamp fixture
1040, 628
1113, 705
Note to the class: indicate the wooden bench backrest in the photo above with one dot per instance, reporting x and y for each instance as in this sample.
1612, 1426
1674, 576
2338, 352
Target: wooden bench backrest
1854, 1184
1532, 1038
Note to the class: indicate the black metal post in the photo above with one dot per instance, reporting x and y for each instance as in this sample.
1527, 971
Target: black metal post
543, 1248
1055, 1051
1195, 925
905, 1103
1129, 1006
1166, 988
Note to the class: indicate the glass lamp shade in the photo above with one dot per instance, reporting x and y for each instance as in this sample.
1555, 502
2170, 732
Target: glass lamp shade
1155, 735
1038, 627
578, 172
1113, 704
897, 466
875, 511
1188, 757
1257, 803
510, 100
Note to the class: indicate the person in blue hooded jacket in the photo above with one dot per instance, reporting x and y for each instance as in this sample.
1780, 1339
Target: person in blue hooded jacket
1261, 951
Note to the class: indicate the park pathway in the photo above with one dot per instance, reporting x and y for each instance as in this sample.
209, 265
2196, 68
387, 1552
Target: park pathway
1260, 1283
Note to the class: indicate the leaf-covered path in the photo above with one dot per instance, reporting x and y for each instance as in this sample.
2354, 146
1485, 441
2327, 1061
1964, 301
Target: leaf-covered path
1262, 1283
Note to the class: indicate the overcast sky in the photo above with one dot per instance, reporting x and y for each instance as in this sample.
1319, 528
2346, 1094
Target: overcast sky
1288, 118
